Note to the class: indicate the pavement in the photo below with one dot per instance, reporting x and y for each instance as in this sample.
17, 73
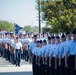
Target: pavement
7, 68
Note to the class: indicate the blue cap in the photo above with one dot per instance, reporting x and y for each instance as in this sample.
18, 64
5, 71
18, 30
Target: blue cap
44, 40
37, 41
63, 35
49, 37
74, 31
40, 41
57, 37
52, 37
67, 33
35, 36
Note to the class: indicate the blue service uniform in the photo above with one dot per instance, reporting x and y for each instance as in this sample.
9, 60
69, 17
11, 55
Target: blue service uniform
71, 52
2, 47
58, 55
29, 40
12, 45
40, 61
62, 53
25, 52
34, 65
47, 57
7, 51
53, 53
36, 53
22, 41
31, 46
44, 68
67, 69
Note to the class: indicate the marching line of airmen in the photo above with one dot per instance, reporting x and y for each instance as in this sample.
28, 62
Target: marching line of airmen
57, 57
51, 55
13, 49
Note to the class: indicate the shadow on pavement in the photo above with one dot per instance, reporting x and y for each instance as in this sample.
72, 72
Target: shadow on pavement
16, 73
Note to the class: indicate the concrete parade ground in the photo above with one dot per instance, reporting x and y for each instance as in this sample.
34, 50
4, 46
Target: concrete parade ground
7, 68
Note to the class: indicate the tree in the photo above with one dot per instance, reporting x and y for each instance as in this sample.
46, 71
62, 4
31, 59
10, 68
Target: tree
31, 29
5, 25
27, 28
60, 15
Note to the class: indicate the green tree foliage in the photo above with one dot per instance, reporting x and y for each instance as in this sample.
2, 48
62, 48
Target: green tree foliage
31, 29
5, 25
27, 28
60, 15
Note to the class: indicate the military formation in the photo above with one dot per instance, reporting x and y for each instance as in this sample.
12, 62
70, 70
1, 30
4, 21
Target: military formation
55, 55
49, 54
14, 48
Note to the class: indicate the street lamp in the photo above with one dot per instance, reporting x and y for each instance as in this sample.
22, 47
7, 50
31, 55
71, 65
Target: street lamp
39, 18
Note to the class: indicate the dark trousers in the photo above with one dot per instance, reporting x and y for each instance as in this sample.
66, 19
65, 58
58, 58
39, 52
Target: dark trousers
18, 55
40, 67
72, 64
2, 51
67, 70
53, 71
46, 67
30, 55
34, 65
26, 55
43, 69
37, 69
62, 67
7, 54
12, 57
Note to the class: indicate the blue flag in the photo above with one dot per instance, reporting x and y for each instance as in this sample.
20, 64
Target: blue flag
17, 28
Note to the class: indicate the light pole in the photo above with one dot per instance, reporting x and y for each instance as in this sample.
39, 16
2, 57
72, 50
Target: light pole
39, 18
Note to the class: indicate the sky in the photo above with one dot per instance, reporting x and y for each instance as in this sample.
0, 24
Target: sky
22, 12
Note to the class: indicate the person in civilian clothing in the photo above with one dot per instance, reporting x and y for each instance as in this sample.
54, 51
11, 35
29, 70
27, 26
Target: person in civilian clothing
18, 49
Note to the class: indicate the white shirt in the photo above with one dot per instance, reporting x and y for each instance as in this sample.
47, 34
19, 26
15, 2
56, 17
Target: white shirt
18, 45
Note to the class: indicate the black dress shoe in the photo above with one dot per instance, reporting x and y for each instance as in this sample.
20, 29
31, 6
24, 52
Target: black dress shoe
19, 65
